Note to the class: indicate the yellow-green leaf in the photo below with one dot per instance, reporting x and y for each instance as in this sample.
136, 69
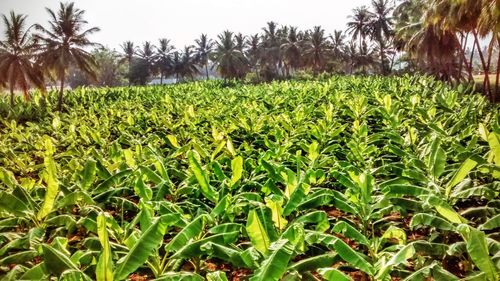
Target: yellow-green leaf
52, 188
275, 204
237, 168
257, 233
104, 268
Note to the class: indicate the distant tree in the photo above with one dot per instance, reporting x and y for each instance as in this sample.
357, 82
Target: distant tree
139, 73
271, 53
148, 54
64, 44
253, 53
188, 62
77, 78
359, 26
17, 67
239, 40
316, 49
204, 47
381, 29
110, 68
291, 49
338, 56
129, 51
230, 61
177, 65
164, 58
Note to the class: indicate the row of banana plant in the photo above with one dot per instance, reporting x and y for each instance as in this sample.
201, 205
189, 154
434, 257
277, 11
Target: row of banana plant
343, 179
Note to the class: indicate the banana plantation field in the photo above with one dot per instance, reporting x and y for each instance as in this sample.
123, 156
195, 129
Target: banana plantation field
340, 179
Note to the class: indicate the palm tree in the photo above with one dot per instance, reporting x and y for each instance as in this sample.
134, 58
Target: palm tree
338, 43
64, 44
381, 25
338, 46
17, 67
239, 40
359, 26
316, 49
204, 47
291, 49
489, 22
164, 60
271, 48
437, 50
188, 61
230, 62
128, 49
176, 65
147, 53
254, 53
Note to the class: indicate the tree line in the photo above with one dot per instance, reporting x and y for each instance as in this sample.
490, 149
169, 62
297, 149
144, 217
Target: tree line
388, 37
278, 51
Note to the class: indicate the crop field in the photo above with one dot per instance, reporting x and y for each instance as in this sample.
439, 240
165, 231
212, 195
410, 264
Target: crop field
341, 179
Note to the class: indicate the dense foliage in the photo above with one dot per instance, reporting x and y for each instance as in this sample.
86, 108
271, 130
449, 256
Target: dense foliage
347, 178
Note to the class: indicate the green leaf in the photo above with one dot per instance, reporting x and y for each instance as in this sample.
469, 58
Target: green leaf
431, 220
104, 268
274, 203
257, 233
202, 178
445, 210
347, 230
276, 264
344, 251
494, 142
195, 249
55, 261
37, 272
192, 230
19, 257
477, 248
407, 252
320, 218
332, 274
225, 253
12, 204
173, 141
217, 276
295, 199
315, 262
52, 188
460, 175
88, 174
491, 224
237, 168
144, 247
180, 276
405, 189
437, 158
8, 178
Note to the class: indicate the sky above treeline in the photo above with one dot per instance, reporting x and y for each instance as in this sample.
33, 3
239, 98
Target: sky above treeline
182, 21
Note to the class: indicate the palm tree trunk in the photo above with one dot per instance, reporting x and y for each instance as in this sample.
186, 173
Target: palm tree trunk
382, 65
471, 65
129, 62
161, 77
463, 59
61, 92
12, 95
483, 62
490, 56
497, 73
206, 68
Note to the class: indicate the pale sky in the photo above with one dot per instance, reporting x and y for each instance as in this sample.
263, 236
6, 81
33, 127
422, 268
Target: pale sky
182, 21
